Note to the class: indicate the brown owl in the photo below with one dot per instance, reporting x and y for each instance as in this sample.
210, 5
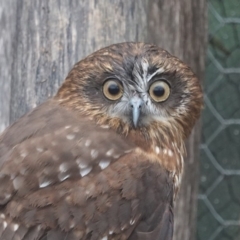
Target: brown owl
103, 159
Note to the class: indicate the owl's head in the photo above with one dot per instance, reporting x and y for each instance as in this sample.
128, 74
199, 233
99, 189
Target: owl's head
135, 87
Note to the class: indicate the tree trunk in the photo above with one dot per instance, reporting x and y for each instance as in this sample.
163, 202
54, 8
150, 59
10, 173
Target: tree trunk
41, 40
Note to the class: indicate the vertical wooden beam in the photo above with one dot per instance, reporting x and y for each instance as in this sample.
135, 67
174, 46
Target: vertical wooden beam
50, 36
7, 29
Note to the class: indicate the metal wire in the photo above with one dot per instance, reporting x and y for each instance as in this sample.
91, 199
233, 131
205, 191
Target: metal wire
219, 190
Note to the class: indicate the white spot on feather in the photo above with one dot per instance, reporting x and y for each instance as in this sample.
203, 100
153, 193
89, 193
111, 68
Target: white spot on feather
81, 164
165, 151
7, 196
63, 167
105, 126
23, 154
85, 171
132, 221
110, 232
2, 216
72, 224
67, 127
88, 143
128, 151
70, 136
105, 238
116, 156
109, 152
63, 176
15, 227
39, 149
170, 153
123, 228
94, 154
44, 184
18, 182
4, 225
157, 150
104, 163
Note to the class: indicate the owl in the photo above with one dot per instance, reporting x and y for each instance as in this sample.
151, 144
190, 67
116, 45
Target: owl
102, 159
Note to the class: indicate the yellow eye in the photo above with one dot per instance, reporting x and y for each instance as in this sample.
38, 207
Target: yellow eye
112, 90
159, 91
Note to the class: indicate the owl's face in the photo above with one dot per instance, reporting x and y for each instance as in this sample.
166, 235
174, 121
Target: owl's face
143, 95
136, 86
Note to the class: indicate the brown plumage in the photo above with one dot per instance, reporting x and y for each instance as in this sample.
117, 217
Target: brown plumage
103, 159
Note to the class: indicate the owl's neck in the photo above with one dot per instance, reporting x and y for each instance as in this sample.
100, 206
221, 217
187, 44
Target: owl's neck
164, 148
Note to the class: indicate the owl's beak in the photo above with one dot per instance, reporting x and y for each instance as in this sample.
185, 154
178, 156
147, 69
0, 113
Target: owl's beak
136, 104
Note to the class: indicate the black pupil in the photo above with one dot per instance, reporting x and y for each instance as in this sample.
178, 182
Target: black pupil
158, 91
113, 89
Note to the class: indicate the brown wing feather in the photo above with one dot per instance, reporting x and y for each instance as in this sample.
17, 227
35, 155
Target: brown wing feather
70, 179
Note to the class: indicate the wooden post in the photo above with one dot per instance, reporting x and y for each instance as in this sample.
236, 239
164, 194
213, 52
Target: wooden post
41, 40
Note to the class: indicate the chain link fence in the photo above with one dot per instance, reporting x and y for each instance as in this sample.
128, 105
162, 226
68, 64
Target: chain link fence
219, 193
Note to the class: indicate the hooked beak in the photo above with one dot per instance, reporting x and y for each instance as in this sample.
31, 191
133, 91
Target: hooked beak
136, 104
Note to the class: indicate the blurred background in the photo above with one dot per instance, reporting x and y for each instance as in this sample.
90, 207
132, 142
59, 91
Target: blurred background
40, 40
219, 188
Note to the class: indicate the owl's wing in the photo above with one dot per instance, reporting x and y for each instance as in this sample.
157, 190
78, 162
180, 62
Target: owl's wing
62, 177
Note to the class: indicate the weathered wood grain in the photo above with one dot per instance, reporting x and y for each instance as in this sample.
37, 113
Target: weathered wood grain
7, 29
48, 37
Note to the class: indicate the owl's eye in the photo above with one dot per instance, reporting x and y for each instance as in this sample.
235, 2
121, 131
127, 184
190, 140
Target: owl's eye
112, 90
159, 91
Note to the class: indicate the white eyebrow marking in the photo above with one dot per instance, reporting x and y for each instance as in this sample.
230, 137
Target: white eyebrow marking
160, 70
145, 66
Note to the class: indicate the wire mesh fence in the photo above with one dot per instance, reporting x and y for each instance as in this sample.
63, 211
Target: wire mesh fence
219, 193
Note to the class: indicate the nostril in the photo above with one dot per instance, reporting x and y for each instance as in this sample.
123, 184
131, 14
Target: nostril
136, 103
